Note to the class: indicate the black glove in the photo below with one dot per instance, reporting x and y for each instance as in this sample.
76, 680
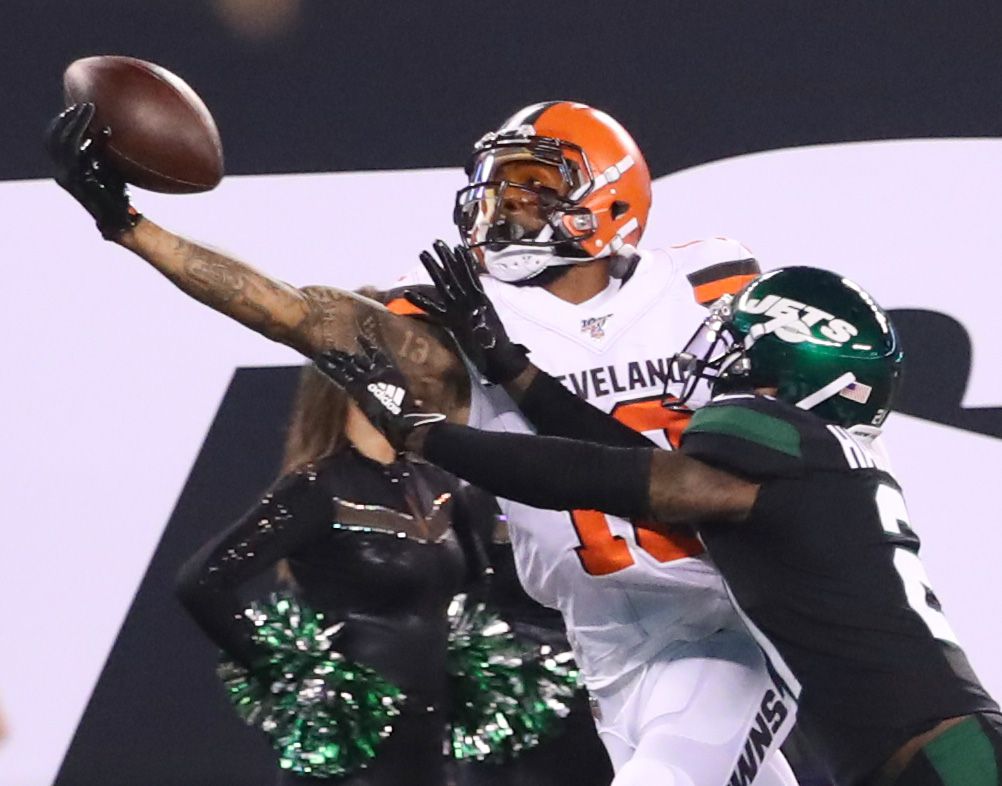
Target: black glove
379, 389
82, 171
464, 308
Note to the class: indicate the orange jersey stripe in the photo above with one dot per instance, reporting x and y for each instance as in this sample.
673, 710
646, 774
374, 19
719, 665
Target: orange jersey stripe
404, 307
712, 290
651, 415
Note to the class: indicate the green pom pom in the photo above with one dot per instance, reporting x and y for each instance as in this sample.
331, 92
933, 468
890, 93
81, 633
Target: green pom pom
323, 714
507, 695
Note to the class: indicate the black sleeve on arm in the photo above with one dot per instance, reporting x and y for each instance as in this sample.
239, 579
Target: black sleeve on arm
545, 472
555, 411
290, 516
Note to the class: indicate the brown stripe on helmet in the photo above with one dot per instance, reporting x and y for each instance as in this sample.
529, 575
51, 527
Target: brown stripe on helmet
528, 115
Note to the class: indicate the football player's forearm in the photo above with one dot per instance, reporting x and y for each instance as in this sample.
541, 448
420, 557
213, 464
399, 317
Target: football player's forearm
517, 387
562, 474
555, 411
545, 472
275, 309
686, 491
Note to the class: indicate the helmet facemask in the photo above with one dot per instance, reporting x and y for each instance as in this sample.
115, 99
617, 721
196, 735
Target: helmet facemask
713, 358
520, 229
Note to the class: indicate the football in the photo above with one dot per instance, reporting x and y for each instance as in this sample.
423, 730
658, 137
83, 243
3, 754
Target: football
163, 137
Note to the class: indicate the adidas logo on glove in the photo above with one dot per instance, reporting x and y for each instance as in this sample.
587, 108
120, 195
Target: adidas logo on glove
390, 396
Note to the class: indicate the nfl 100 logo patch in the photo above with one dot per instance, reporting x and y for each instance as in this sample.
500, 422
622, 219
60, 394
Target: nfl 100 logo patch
595, 326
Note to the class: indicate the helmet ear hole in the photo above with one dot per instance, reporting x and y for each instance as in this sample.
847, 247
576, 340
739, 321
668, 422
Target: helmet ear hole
619, 208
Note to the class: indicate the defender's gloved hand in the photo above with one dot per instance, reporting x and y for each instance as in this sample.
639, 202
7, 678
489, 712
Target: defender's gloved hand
82, 171
464, 308
379, 389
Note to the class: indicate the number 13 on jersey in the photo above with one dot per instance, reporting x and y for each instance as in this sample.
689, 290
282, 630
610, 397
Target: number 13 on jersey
601, 552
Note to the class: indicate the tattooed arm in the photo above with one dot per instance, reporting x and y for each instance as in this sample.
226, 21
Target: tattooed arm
274, 309
310, 319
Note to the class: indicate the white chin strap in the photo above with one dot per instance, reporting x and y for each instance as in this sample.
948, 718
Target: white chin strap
517, 263
833, 388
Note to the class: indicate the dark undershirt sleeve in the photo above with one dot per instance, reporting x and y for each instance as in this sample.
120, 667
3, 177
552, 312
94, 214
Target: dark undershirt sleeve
555, 411
292, 515
545, 472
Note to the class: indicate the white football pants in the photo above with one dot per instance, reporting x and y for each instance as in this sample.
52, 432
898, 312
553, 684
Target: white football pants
710, 715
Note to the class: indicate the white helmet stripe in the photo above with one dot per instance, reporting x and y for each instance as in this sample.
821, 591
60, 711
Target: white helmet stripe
624, 165
610, 175
619, 239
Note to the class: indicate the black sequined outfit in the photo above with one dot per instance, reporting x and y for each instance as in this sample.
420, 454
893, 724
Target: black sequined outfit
383, 548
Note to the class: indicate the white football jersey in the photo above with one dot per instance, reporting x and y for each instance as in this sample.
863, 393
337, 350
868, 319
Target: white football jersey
625, 594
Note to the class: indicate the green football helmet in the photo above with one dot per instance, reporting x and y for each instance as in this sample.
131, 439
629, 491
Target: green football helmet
817, 337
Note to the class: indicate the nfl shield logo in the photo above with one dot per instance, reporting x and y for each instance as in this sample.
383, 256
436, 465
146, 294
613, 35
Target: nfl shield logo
594, 326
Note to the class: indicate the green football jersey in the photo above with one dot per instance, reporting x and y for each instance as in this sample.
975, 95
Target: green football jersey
826, 573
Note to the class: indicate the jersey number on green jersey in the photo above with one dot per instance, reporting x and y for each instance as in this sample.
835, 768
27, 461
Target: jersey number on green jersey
894, 518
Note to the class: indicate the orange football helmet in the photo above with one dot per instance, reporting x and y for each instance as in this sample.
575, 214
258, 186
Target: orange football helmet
602, 206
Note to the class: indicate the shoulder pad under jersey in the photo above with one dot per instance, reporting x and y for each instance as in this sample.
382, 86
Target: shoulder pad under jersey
761, 438
715, 266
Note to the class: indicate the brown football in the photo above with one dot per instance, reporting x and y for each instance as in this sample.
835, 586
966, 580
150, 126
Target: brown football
162, 135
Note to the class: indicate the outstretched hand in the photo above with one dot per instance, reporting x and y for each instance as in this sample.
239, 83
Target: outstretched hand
81, 170
379, 388
463, 307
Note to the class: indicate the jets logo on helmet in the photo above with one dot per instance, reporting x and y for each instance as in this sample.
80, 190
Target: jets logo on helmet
815, 336
795, 322
600, 207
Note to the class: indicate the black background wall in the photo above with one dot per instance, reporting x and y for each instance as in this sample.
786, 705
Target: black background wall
365, 85
370, 84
